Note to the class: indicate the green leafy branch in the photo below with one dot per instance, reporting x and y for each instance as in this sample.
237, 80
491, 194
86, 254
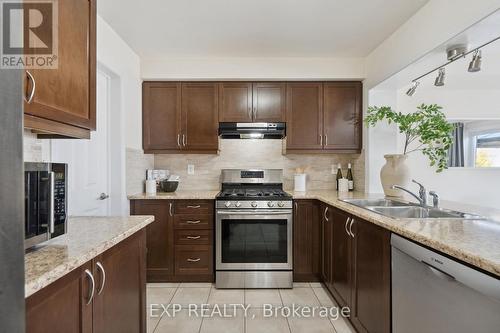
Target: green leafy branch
425, 130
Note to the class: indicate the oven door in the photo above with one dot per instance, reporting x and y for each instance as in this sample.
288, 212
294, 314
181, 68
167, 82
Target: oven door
254, 239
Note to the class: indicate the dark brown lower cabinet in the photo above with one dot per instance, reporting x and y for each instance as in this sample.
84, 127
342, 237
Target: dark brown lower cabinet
117, 305
371, 285
356, 268
180, 240
159, 238
62, 306
306, 241
120, 298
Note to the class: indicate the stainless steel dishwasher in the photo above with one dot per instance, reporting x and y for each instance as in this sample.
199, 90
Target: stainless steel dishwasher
432, 293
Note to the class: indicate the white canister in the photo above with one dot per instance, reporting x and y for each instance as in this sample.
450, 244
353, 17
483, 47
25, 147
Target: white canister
151, 186
300, 182
343, 185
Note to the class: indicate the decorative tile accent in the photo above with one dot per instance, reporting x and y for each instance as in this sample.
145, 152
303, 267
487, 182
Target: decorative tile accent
266, 154
135, 170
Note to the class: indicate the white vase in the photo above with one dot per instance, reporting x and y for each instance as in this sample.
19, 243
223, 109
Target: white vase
395, 172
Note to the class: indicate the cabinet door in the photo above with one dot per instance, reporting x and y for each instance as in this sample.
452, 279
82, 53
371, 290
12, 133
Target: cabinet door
200, 116
67, 94
341, 262
269, 100
235, 102
159, 238
371, 304
120, 299
306, 241
304, 116
326, 245
161, 116
62, 306
342, 116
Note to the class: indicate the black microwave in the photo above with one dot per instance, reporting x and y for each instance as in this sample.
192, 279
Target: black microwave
46, 201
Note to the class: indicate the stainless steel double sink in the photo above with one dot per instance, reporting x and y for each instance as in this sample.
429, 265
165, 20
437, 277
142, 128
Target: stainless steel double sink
407, 210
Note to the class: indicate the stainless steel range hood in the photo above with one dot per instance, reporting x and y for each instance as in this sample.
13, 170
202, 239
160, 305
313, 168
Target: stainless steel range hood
252, 130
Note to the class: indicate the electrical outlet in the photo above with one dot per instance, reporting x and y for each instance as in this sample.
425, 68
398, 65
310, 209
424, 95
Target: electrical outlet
190, 169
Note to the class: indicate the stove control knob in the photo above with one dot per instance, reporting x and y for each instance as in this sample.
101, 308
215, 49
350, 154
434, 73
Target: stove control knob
280, 204
270, 204
237, 204
227, 204
253, 204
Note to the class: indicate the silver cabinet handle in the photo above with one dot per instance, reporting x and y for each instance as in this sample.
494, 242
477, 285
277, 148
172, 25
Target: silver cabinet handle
250, 112
321, 140
29, 99
178, 140
170, 209
193, 260
183, 140
100, 267
193, 237
51, 203
324, 214
193, 222
350, 228
92, 286
326, 140
295, 205
197, 206
345, 226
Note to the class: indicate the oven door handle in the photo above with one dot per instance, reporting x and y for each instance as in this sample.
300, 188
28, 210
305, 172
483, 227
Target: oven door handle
255, 212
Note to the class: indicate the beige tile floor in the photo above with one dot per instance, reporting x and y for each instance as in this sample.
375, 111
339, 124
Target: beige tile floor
305, 294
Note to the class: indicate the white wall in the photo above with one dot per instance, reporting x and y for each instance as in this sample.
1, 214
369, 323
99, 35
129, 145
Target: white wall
432, 25
252, 68
119, 58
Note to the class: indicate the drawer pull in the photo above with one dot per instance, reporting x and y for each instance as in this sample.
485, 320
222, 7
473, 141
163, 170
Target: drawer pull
197, 206
193, 222
193, 260
193, 237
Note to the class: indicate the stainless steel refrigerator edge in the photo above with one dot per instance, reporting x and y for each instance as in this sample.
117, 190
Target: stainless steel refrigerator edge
12, 316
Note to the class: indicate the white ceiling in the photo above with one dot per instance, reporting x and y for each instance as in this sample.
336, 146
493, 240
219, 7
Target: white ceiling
256, 28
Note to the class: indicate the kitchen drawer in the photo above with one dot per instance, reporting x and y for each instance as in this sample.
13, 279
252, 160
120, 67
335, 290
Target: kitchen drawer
193, 237
193, 221
193, 207
193, 260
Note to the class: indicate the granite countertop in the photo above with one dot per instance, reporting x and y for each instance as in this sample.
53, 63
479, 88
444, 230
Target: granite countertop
476, 242
180, 195
87, 237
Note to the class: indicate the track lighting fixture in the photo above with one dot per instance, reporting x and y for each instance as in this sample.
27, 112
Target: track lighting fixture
475, 64
413, 88
439, 82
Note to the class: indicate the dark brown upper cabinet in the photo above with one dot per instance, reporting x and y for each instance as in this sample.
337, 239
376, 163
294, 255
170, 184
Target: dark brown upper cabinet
324, 117
304, 116
161, 116
235, 101
269, 102
246, 102
63, 102
180, 117
342, 116
200, 116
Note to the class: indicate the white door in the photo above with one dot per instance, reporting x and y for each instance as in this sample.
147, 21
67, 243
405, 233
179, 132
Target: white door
88, 161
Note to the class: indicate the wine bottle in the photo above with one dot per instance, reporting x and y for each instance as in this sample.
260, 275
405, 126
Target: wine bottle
350, 178
339, 175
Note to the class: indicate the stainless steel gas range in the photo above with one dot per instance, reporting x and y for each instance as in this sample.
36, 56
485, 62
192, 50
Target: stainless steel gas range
253, 230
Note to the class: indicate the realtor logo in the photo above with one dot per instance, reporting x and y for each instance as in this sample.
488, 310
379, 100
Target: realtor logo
28, 34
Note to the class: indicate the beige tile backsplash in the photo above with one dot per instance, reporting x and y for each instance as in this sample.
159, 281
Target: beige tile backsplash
136, 165
266, 154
